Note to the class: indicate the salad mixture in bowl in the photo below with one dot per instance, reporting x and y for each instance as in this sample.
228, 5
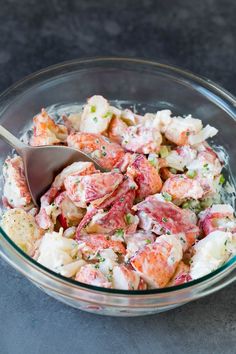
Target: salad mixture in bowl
154, 219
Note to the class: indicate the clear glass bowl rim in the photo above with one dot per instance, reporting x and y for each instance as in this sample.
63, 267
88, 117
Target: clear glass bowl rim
40, 76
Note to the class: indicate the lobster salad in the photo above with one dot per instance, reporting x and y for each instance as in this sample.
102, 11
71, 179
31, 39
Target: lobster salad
154, 219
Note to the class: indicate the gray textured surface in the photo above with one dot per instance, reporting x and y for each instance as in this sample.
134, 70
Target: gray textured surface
197, 35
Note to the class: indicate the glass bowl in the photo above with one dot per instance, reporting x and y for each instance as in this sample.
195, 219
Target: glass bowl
145, 84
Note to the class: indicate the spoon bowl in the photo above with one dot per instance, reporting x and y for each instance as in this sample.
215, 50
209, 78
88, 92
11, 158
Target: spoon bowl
43, 163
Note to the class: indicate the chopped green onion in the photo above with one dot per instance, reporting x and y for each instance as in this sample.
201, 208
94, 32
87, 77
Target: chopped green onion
164, 152
152, 162
119, 232
167, 196
107, 115
173, 170
93, 109
128, 218
222, 179
164, 219
148, 241
191, 174
206, 203
95, 119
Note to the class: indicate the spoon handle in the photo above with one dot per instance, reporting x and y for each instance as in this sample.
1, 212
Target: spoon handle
11, 140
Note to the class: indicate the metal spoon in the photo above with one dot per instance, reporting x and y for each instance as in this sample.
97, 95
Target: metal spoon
43, 163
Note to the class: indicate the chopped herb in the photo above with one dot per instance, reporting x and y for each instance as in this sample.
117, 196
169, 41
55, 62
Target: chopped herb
103, 147
107, 115
97, 141
187, 133
122, 199
128, 218
93, 109
182, 239
191, 174
167, 196
152, 162
119, 232
168, 232
96, 266
116, 170
31, 225
164, 219
148, 241
185, 205
206, 166
95, 119
173, 170
104, 153
222, 179
164, 152
225, 242
125, 142
132, 186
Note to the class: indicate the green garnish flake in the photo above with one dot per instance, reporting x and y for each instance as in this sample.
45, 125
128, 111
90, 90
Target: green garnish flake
96, 266
164, 151
191, 174
132, 187
95, 119
152, 162
107, 115
173, 170
128, 218
104, 153
167, 197
187, 133
93, 109
222, 179
164, 219
119, 232
147, 241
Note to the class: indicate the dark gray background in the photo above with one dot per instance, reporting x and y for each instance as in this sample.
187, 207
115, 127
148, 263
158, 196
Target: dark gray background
196, 35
